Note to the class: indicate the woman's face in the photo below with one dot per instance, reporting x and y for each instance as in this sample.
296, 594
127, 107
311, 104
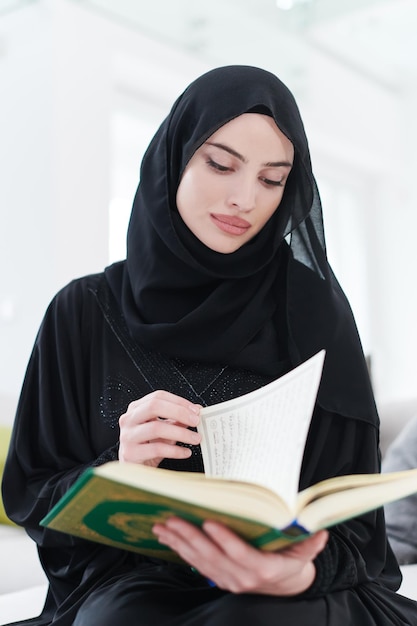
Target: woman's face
235, 181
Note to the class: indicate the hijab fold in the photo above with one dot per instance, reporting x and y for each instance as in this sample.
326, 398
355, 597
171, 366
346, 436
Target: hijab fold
183, 299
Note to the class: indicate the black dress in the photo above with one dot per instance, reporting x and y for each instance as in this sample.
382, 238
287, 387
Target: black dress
83, 373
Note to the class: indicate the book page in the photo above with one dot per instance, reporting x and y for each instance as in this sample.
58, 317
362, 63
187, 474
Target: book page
367, 492
260, 436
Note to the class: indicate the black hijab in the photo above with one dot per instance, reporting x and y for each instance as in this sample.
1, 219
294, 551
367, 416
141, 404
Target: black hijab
181, 298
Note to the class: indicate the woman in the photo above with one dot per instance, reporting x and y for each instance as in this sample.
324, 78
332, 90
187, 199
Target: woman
226, 286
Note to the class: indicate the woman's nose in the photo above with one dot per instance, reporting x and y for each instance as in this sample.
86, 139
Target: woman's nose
243, 195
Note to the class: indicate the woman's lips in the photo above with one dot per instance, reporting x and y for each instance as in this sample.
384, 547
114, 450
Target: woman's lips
230, 224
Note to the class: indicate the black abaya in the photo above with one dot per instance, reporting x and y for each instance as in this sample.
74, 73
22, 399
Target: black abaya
72, 394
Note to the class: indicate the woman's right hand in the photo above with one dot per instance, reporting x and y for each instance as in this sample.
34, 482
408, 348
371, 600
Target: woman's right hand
152, 426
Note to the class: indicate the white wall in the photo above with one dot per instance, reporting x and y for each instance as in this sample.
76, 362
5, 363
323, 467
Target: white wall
62, 72
358, 141
52, 200
394, 262
70, 80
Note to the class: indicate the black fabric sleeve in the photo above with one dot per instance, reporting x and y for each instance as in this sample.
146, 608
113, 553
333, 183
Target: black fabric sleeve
357, 551
52, 443
61, 428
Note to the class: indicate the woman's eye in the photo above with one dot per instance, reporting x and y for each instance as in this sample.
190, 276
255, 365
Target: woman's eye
217, 166
272, 183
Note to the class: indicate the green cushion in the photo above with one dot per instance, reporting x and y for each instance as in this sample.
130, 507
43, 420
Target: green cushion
5, 432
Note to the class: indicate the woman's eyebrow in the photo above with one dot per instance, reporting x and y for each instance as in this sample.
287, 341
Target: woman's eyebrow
222, 146
277, 164
233, 152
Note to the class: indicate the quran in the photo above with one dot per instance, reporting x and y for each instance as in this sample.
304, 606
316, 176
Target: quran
252, 448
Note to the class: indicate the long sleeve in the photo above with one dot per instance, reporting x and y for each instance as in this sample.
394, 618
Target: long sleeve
66, 421
357, 551
52, 442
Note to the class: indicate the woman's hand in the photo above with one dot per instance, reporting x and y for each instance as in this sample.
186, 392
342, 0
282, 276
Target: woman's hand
234, 565
152, 426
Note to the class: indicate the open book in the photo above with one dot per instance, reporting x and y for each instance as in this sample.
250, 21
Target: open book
252, 450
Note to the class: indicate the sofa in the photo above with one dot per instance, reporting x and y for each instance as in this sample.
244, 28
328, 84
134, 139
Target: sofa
22, 581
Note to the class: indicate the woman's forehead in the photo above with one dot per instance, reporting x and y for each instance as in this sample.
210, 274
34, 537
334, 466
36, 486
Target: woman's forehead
251, 130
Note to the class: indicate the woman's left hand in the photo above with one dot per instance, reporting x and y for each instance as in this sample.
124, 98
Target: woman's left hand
235, 566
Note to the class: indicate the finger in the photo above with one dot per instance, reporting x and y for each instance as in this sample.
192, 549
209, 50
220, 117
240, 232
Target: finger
253, 570
211, 558
225, 538
155, 451
157, 430
240, 551
308, 549
190, 542
184, 538
164, 405
166, 396
159, 409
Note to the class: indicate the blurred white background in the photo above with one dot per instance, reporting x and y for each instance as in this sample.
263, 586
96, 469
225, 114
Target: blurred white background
84, 85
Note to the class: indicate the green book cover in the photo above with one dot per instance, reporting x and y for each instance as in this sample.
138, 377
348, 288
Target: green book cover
99, 509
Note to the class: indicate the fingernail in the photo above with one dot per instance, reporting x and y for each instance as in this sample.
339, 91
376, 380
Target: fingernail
194, 419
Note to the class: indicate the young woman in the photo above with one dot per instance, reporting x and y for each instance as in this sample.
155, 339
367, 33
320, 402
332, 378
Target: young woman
226, 286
